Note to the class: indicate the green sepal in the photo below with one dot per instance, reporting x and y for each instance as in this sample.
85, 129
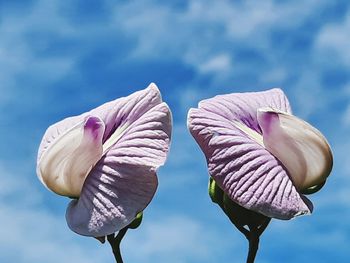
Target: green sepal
237, 214
251, 224
241, 216
215, 192
137, 221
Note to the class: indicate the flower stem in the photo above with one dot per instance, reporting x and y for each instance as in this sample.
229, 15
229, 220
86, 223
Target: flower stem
114, 241
253, 237
251, 224
263, 226
253, 245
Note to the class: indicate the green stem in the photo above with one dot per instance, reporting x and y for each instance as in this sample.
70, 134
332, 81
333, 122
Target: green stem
114, 241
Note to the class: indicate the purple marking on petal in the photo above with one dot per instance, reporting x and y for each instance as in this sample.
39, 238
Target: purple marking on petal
93, 126
244, 169
126, 110
267, 121
302, 149
243, 107
124, 181
114, 114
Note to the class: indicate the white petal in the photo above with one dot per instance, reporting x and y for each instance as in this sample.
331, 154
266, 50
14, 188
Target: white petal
65, 164
249, 132
117, 134
301, 148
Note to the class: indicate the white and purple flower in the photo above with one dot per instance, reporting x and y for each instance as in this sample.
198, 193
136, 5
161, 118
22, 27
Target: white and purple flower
106, 159
260, 155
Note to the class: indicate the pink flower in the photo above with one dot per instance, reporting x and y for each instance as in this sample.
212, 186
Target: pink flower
107, 159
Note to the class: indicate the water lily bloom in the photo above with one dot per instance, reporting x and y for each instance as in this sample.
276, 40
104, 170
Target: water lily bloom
263, 157
106, 160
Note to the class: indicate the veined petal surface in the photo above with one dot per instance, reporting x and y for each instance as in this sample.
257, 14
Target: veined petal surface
115, 115
248, 173
124, 181
242, 107
135, 143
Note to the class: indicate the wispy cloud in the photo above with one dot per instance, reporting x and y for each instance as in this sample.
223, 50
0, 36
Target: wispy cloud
31, 233
334, 40
176, 239
58, 60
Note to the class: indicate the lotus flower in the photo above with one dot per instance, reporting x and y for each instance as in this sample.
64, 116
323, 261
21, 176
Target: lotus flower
259, 154
106, 159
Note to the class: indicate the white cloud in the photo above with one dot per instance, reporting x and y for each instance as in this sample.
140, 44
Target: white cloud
346, 117
177, 239
204, 36
33, 235
276, 75
335, 40
30, 233
312, 98
17, 57
181, 171
197, 33
13, 189
202, 33
219, 63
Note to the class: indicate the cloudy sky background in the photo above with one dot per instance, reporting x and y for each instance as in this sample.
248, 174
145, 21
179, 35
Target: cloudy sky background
61, 58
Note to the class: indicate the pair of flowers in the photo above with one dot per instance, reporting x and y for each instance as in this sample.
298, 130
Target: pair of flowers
260, 155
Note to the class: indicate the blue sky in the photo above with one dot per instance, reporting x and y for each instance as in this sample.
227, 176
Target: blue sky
61, 58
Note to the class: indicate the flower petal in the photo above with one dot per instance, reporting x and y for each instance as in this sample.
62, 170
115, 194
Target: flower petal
116, 115
135, 143
302, 149
65, 164
124, 181
249, 174
122, 112
242, 107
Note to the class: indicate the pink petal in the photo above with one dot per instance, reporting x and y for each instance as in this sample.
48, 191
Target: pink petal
135, 143
124, 181
244, 169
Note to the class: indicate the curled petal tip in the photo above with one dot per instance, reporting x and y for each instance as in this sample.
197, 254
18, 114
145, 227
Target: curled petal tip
153, 87
94, 126
300, 147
